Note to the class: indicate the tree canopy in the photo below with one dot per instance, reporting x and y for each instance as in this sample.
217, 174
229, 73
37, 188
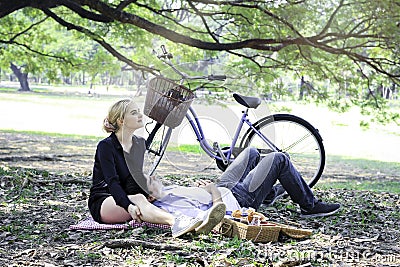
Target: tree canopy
351, 44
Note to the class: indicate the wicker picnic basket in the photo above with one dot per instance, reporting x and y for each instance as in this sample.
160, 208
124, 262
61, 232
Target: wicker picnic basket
166, 101
265, 233
294, 231
268, 232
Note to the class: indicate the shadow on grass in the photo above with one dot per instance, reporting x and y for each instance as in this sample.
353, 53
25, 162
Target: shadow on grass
360, 174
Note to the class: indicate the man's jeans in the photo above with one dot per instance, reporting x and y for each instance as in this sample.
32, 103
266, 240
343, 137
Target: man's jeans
251, 180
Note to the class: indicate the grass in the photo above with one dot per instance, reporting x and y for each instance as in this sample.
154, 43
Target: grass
196, 149
61, 135
367, 164
383, 170
173, 258
74, 115
373, 186
368, 175
58, 92
241, 248
187, 148
381, 183
233, 251
360, 163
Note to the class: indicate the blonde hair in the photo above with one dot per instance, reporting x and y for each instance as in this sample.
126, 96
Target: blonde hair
116, 112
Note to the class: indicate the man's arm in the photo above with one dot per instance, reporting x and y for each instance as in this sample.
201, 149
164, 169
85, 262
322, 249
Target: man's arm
155, 187
215, 193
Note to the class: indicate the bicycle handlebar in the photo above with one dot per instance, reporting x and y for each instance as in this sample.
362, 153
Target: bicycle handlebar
165, 54
164, 50
167, 60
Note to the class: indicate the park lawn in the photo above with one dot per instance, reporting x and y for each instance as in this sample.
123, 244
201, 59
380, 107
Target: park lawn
45, 170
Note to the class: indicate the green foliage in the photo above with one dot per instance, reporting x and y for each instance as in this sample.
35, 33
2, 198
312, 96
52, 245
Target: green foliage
174, 258
345, 50
383, 114
47, 50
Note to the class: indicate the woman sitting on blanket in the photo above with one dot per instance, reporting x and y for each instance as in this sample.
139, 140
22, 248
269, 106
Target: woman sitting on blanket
119, 190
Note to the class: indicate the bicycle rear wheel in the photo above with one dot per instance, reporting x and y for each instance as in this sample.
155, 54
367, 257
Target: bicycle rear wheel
296, 138
156, 144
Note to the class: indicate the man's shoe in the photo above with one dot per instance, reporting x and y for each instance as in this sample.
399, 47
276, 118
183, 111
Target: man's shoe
184, 224
320, 209
212, 217
279, 193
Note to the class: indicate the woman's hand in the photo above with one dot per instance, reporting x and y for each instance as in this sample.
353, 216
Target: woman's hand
135, 213
151, 198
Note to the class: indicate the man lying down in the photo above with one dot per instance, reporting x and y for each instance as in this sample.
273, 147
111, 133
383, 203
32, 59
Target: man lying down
209, 203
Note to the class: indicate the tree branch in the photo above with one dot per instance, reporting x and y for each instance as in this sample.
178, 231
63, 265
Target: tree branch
123, 17
85, 13
36, 52
124, 4
27, 29
8, 7
129, 242
333, 15
100, 41
328, 39
204, 21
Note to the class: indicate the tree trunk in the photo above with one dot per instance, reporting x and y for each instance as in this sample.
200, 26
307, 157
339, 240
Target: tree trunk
302, 87
22, 78
139, 81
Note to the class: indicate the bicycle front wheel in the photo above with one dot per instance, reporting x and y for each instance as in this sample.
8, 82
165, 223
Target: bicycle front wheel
156, 144
295, 137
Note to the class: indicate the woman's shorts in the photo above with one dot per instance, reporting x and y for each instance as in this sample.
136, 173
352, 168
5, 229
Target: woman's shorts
95, 203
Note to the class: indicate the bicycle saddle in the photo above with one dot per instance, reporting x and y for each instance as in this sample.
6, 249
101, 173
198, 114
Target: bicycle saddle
247, 101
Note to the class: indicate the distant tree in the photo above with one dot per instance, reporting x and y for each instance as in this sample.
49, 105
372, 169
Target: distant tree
21, 76
32, 43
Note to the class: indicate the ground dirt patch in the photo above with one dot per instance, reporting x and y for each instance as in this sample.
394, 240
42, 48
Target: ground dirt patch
44, 187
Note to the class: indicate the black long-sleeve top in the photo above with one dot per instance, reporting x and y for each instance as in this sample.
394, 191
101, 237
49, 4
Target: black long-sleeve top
118, 173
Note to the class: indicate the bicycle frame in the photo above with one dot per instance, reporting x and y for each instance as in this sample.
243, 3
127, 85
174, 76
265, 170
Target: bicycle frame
215, 151
313, 151
194, 122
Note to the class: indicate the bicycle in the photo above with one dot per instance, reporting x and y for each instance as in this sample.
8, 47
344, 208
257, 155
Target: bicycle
294, 136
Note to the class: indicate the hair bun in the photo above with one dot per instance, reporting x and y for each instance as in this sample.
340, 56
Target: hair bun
108, 126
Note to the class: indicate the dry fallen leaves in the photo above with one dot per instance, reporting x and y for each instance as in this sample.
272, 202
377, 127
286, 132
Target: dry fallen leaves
40, 202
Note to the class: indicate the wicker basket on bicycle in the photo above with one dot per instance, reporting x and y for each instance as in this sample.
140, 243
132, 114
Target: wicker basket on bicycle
166, 101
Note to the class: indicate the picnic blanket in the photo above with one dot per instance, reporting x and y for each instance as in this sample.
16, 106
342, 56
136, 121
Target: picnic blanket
90, 224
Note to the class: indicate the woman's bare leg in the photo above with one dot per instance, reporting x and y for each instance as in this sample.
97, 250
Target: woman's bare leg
151, 213
110, 212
